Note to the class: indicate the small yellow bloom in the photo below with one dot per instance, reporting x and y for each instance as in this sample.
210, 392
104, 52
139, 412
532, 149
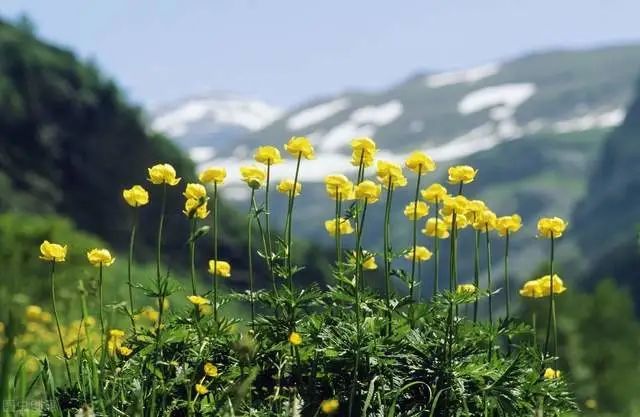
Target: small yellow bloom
150, 314
420, 162
295, 339
116, 334
591, 403
390, 174
329, 406
462, 174
551, 227
215, 175
422, 254
339, 186
125, 351
442, 230
434, 193
201, 211
466, 289
462, 221
458, 204
220, 268
508, 224
268, 155
53, 252
476, 207
205, 309
197, 300
551, 373
546, 284
201, 389
163, 174
195, 191
286, 185
532, 289
368, 190
210, 370
33, 313
254, 176
100, 257
299, 145
363, 151
369, 262
136, 196
415, 211
345, 226
485, 220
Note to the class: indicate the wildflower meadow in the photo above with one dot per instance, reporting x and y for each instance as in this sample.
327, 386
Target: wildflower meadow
395, 332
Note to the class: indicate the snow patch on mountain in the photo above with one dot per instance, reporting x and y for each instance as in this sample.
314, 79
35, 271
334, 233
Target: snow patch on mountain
469, 75
380, 115
202, 153
316, 114
507, 95
590, 121
249, 114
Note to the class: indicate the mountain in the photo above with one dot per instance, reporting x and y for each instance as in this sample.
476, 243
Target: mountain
197, 122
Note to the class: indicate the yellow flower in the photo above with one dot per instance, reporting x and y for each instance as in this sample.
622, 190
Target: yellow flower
201, 389
33, 313
136, 196
476, 207
368, 190
210, 370
510, 224
532, 289
345, 226
415, 211
195, 191
53, 251
551, 227
430, 228
215, 175
268, 155
197, 300
462, 174
420, 162
125, 351
329, 406
458, 204
163, 174
205, 309
299, 145
422, 254
363, 151
339, 186
254, 176
434, 193
369, 262
150, 314
390, 173
551, 373
98, 257
190, 205
116, 334
485, 220
545, 285
591, 403
462, 221
286, 185
222, 268
466, 289
295, 339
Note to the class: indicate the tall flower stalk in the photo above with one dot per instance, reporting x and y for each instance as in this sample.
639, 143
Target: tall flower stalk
52, 274
252, 209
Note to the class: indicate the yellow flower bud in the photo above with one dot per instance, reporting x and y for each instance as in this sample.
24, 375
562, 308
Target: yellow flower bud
345, 227
390, 174
268, 155
300, 146
415, 211
195, 191
339, 186
253, 176
508, 224
219, 268
295, 339
368, 190
434, 193
364, 151
430, 229
210, 370
546, 283
329, 406
532, 289
197, 300
286, 186
53, 252
33, 313
215, 175
100, 257
194, 208
466, 289
163, 174
201, 389
422, 254
420, 162
551, 227
462, 174
136, 196
551, 373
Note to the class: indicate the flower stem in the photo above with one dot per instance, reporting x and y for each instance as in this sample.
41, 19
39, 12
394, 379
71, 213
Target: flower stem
252, 208
436, 254
552, 307
414, 243
192, 257
55, 314
132, 239
292, 196
159, 280
476, 273
489, 287
215, 252
506, 276
337, 232
387, 257
268, 245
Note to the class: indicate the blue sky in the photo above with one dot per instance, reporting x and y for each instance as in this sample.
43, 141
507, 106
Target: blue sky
286, 52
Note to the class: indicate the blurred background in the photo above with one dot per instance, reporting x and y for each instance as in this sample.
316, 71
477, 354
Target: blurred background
542, 97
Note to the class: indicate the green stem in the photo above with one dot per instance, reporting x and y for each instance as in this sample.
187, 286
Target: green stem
250, 257
387, 257
414, 243
552, 308
476, 273
338, 233
506, 276
55, 314
292, 196
159, 280
436, 254
192, 257
129, 268
489, 288
215, 252
101, 318
268, 245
